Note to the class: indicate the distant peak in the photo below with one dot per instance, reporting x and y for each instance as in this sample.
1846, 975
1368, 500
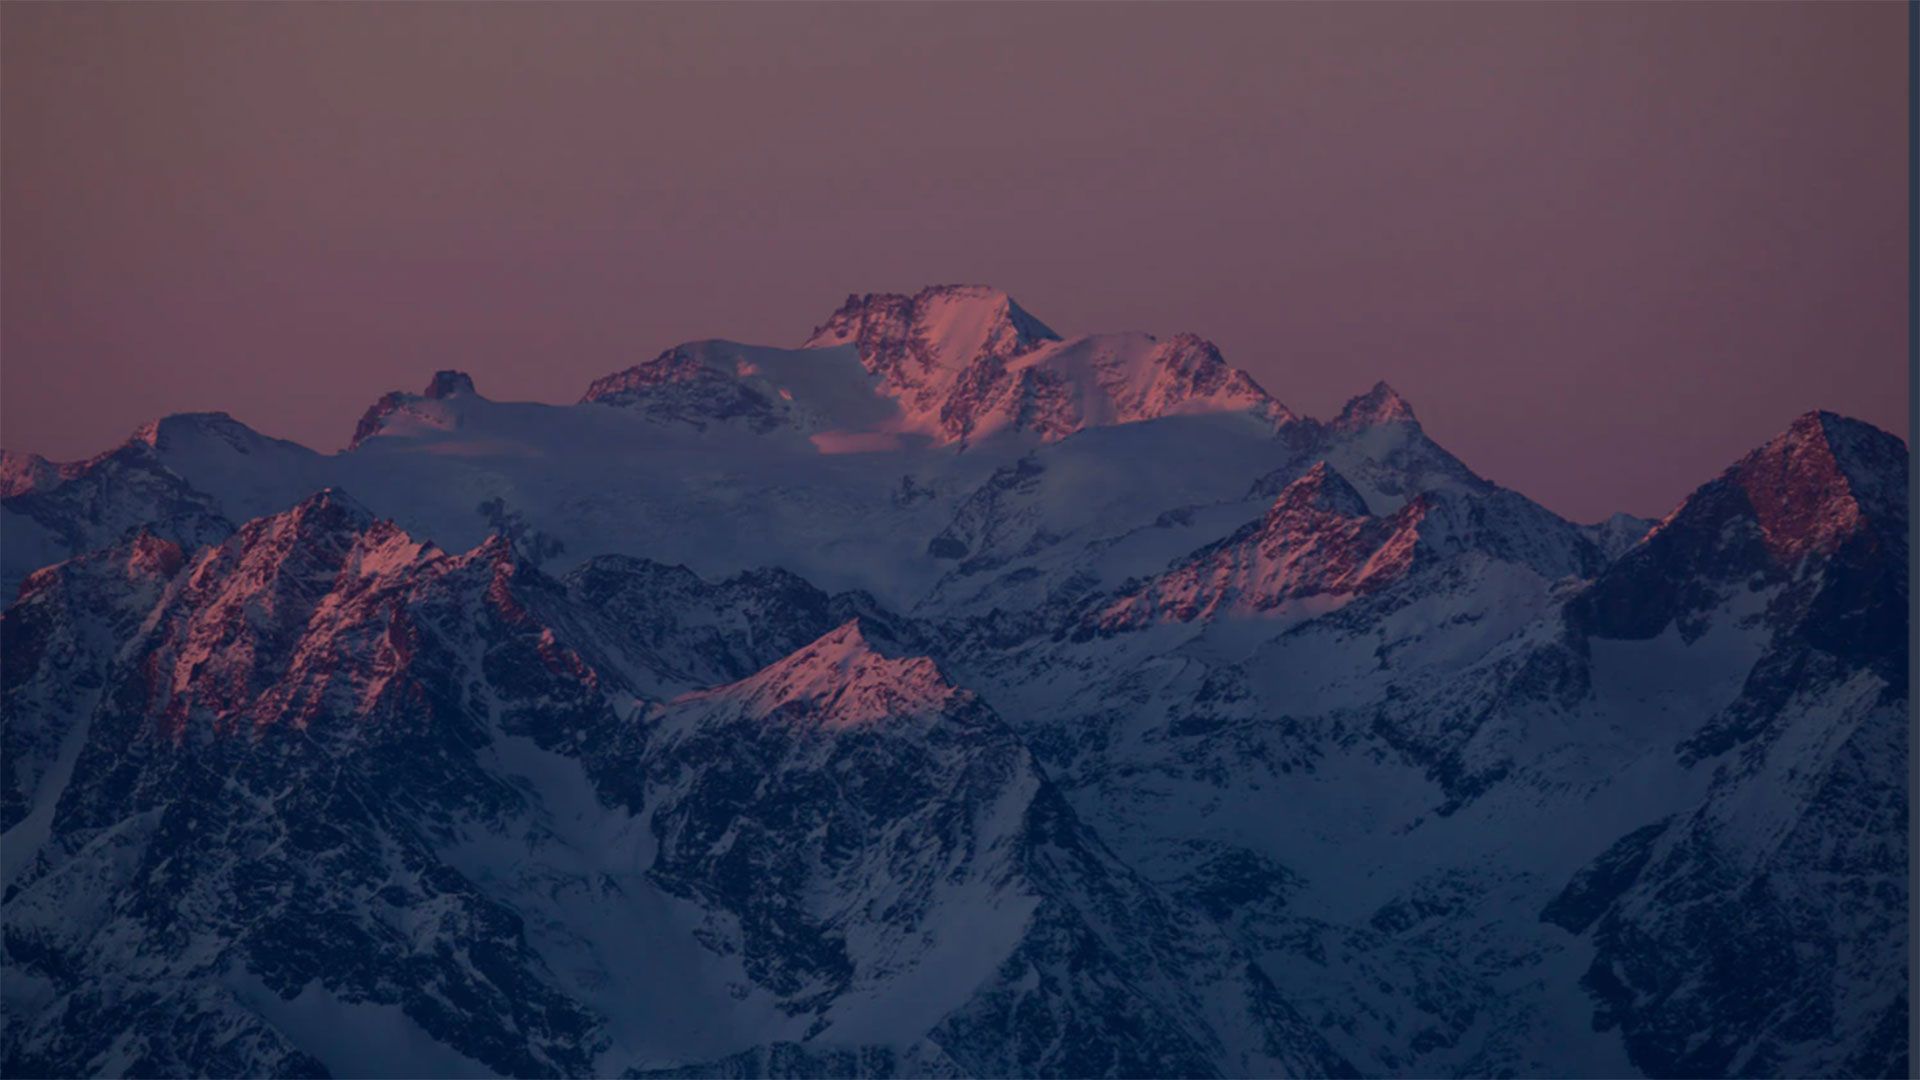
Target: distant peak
1321, 489
155, 433
1827, 434
447, 383
961, 293
1618, 533
1842, 434
1186, 342
865, 317
328, 521
1815, 482
22, 472
1380, 405
332, 501
1808, 432
842, 645
1809, 489
444, 385
845, 681
1025, 325
497, 551
681, 364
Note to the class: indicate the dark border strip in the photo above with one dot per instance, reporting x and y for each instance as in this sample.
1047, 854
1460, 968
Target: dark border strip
1913, 505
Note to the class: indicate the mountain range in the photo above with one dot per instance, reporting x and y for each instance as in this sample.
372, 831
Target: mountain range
943, 697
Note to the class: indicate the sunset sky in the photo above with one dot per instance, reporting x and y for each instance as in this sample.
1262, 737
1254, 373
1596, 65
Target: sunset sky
1604, 249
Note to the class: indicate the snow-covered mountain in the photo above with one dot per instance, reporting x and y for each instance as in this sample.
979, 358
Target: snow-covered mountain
943, 697
965, 362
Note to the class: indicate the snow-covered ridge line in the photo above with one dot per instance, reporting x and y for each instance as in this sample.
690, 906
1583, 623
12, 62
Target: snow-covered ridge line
946, 697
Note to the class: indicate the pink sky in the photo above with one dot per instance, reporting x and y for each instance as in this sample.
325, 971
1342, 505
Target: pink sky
1603, 248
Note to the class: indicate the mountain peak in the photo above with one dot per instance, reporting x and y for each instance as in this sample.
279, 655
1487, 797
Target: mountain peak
399, 408
965, 362
1380, 405
956, 321
843, 649
1317, 540
847, 638
328, 518
1320, 490
447, 383
842, 679
330, 505
1824, 480
1853, 443
1820, 480
1618, 533
22, 472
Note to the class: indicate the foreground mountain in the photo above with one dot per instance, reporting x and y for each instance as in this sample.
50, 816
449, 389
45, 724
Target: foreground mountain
944, 697
339, 774
1800, 548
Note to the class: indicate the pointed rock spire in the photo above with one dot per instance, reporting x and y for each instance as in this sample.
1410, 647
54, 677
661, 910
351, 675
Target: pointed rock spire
1320, 489
1380, 405
447, 383
1821, 479
844, 681
327, 512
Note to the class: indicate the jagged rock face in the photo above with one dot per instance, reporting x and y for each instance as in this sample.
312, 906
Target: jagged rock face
1318, 545
1318, 539
1380, 405
770, 714
59, 638
22, 473
678, 386
916, 342
1060, 388
1189, 369
303, 742
251, 811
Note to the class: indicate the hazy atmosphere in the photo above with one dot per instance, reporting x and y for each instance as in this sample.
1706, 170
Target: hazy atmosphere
774, 582
1604, 249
